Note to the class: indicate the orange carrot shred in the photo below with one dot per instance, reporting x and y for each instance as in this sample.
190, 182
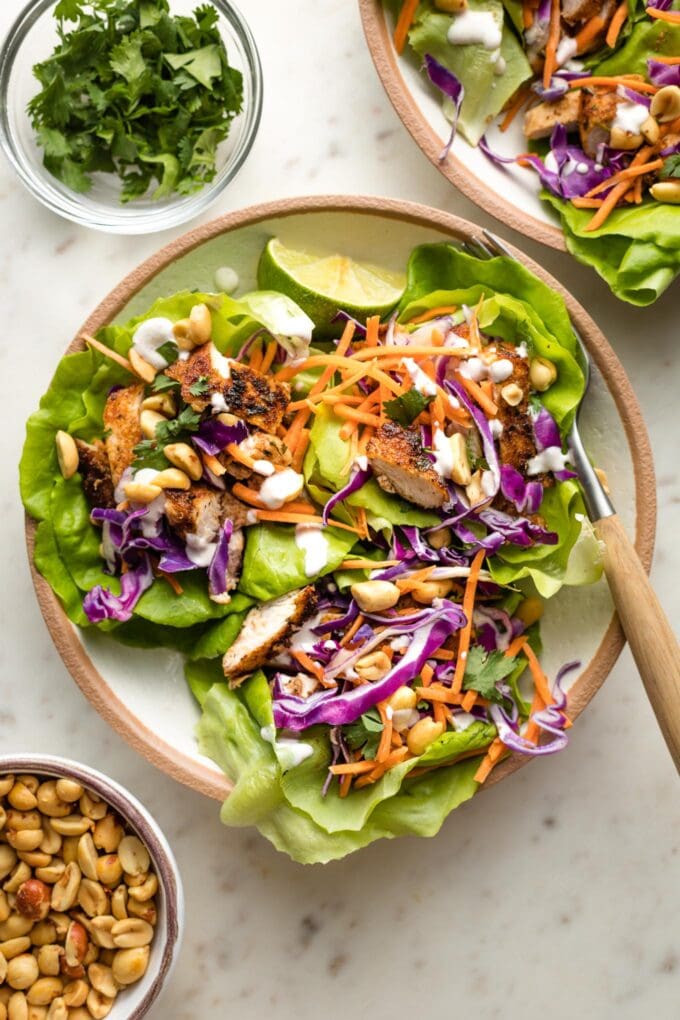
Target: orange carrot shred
268, 359
347, 637
616, 24
404, 22
552, 43
672, 17
433, 313
465, 633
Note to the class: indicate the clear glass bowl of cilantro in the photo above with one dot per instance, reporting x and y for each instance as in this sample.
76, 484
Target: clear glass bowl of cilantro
129, 116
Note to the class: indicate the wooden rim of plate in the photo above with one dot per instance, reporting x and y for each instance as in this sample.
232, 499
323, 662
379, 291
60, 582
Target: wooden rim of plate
182, 767
386, 60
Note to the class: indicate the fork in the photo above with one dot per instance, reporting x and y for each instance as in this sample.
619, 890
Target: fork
652, 641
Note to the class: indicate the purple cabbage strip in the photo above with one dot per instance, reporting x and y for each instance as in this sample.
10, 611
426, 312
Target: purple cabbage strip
526, 496
547, 434
101, 604
358, 478
336, 709
635, 97
557, 89
219, 565
663, 74
213, 436
660, 5
342, 316
483, 428
447, 83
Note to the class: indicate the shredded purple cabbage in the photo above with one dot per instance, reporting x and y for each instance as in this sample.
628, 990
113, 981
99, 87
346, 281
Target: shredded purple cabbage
358, 478
663, 74
219, 565
447, 83
213, 436
526, 496
101, 604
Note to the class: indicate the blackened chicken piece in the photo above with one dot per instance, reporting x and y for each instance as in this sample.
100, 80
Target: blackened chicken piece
266, 630
231, 387
121, 420
597, 116
259, 446
95, 470
540, 120
516, 444
401, 465
202, 511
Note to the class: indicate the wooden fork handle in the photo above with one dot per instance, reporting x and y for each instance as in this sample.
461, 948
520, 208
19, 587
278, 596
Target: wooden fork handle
652, 641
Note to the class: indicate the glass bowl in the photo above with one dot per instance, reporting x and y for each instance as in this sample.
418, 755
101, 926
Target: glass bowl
32, 38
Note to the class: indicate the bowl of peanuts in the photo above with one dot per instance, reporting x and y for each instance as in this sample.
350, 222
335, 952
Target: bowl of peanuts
91, 902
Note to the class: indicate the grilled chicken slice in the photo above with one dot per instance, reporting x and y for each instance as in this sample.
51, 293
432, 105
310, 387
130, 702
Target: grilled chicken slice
597, 113
121, 420
95, 470
266, 629
235, 558
260, 446
540, 120
231, 387
202, 511
401, 465
516, 443
575, 11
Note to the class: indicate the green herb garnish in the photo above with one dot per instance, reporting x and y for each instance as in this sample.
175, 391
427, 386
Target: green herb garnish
149, 453
136, 91
483, 671
671, 168
200, 387
169, 350
162, 383
365, 733
406, 408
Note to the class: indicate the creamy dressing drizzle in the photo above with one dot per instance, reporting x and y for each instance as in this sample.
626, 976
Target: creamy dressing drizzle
226, 279
443, 454
420, 380
221, 364
149, 336
280, 488
550, 459
199, 550
630, 117
475, 28
289, 752
314, 544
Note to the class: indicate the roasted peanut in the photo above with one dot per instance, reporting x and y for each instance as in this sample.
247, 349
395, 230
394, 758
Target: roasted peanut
163, 403
143, 892
75, 993
6, 784
33, 899
131, 933
92, 806
49, 960
512, 394
67, 454
374, 596
424, 733
4, 906
109, 869
21, 797
12, 947
134, 857
65, 892
98, 1005
183, 456
15, 926
141, 492
87, 856
665, 104
17, 1007
542, 374
69, 851
44, 990
666, 191
107, 834
25, 839
17, 821
119, 901
100, 930
129, 965
146, 910
172, 478
427, 591
68, 790
75, 944
200, 324
49, 801
22, 971
72, 825
44, 933
373, 666
8, 859
34, 858
57, 1010
142, 369
101, 978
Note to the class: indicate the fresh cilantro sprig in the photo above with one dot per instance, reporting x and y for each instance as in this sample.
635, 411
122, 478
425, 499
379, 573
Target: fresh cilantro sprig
670, 171
200, 387
134, 90
149, 453
365, 733
483, 670
163, 382
406, 408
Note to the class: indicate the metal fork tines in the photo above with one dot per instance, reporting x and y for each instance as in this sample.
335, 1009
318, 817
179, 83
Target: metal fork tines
597, 503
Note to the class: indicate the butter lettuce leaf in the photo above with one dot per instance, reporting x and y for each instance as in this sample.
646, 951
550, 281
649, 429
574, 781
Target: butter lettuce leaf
486, 92
273, 564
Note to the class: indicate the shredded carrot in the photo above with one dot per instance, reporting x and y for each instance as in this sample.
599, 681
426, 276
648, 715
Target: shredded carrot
439, 713
625, 175
256, 357
386, 735
352, 414
268, 359
345, 785
300, 450
672, 17
286, 517
539, 677
637, 190
613, 82
108, 353
527, 15
478, 395
667, 60
406, 584
469, 700
433, 313
490, 758
427, 674
586, 203
404, 22
516, 646
237, 454
589, 32
312, 667
617, 192
532, 731
246, 495
443, 655
514, 108
616, 24
372, 327
552, 43
213, 464
465, 633
352, 768
292, 436
172, 581
362, 522
347, 638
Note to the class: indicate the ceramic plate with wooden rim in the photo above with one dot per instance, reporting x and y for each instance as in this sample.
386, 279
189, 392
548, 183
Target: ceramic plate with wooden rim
142, 693
510, 193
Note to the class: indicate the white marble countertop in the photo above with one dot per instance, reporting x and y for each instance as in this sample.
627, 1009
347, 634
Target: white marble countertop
555, 893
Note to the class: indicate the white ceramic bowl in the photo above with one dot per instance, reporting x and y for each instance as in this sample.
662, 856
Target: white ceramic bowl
135, 1001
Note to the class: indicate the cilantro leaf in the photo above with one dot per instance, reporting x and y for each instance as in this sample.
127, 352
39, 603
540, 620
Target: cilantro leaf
483, 671
162, 383
365, 733
406, 408
200, 387
671, 168
170, 351
133, 90
149, 453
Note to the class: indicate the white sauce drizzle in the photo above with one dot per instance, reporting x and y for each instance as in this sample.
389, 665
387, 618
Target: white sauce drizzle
566, 49
199, 550
443, 454
500, 370
149, 336
289, 752
218, 403
420, 380
475, 28
221, 364
280, 488
226, 279
630, 117
550, 459
263, 467
312, 541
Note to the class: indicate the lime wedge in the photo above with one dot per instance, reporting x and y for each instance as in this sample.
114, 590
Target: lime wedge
322, 284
